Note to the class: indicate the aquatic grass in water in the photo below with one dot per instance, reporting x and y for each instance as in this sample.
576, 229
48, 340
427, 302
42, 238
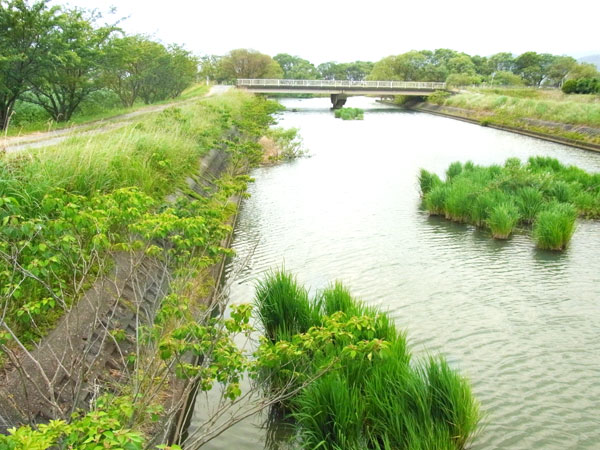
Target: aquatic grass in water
382, 401
349, 114
502, 220
329, 414
554, 226
282, 306
529, 201
451, 400
502, 197
459, 199
427, 181
435, 200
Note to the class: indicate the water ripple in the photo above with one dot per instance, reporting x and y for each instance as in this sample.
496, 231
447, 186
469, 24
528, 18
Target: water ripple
522, 324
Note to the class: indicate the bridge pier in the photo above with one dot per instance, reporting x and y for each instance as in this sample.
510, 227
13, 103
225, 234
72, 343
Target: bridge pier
338, 100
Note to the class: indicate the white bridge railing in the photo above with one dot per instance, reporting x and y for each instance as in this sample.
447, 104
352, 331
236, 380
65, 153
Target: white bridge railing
275, 83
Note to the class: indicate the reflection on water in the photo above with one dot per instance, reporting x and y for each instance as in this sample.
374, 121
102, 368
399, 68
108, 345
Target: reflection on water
521, 323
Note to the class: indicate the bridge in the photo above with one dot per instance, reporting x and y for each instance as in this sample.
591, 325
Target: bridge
340, 90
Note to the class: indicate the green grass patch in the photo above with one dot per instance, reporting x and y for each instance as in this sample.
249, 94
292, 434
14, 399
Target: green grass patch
66, 209
368, 393
504, 198
349, 114
537, 110
555, 226
30, 118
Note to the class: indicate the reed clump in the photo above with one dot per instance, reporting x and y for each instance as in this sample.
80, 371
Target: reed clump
350, 113
542, 193
555, 226
380, 399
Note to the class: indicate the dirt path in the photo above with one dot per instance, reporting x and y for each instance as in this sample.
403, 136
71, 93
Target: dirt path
44, 139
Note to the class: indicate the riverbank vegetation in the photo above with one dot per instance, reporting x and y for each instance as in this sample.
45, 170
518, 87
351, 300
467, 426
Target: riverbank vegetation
366, 390
69, 214
542, 193
549, 112
349, 113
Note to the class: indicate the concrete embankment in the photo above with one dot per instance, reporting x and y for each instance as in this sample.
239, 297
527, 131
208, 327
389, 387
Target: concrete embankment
481, 118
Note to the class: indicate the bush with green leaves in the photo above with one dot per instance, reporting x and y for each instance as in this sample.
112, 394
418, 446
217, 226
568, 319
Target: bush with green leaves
582, 86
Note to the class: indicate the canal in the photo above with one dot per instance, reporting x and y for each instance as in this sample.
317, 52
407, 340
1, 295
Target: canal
522, 324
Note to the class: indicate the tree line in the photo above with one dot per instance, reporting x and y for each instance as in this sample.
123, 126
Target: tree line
56, 57
450, 66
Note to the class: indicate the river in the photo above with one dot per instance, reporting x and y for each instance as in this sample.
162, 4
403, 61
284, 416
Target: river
522, 324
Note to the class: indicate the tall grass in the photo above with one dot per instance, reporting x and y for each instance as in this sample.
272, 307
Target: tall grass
282, 306
349, 113
427, 181
502, 198
384, 402
555, 226
154, 154
517, 104
502, 220
529, 201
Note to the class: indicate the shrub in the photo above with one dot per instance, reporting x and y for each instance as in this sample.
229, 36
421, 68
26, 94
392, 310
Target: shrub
462, 79
438, 97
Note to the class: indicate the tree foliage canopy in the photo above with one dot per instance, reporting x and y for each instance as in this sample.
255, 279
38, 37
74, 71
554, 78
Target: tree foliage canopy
244, 63
56, 57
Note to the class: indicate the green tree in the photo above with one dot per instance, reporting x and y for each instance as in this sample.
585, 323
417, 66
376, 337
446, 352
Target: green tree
481, 65
244, 63
71, 71
461, 64
534, 67
559, 69
209, 67
296, 68
501, 62
505, 78
24, 48
124, 63
358, 70
384, 69
583, 70
137, 67
170, 71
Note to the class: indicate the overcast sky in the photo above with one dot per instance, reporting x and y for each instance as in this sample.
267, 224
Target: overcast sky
349, 30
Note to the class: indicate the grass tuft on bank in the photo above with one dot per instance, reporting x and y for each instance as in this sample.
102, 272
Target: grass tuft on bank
542, 192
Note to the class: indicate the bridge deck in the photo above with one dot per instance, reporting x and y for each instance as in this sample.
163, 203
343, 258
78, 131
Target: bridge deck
340, 86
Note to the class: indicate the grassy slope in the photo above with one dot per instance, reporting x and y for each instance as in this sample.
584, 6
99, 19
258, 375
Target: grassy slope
70, 190
511, 106
83, 118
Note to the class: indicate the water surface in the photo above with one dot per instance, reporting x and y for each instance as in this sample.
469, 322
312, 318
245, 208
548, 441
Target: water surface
522, 324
